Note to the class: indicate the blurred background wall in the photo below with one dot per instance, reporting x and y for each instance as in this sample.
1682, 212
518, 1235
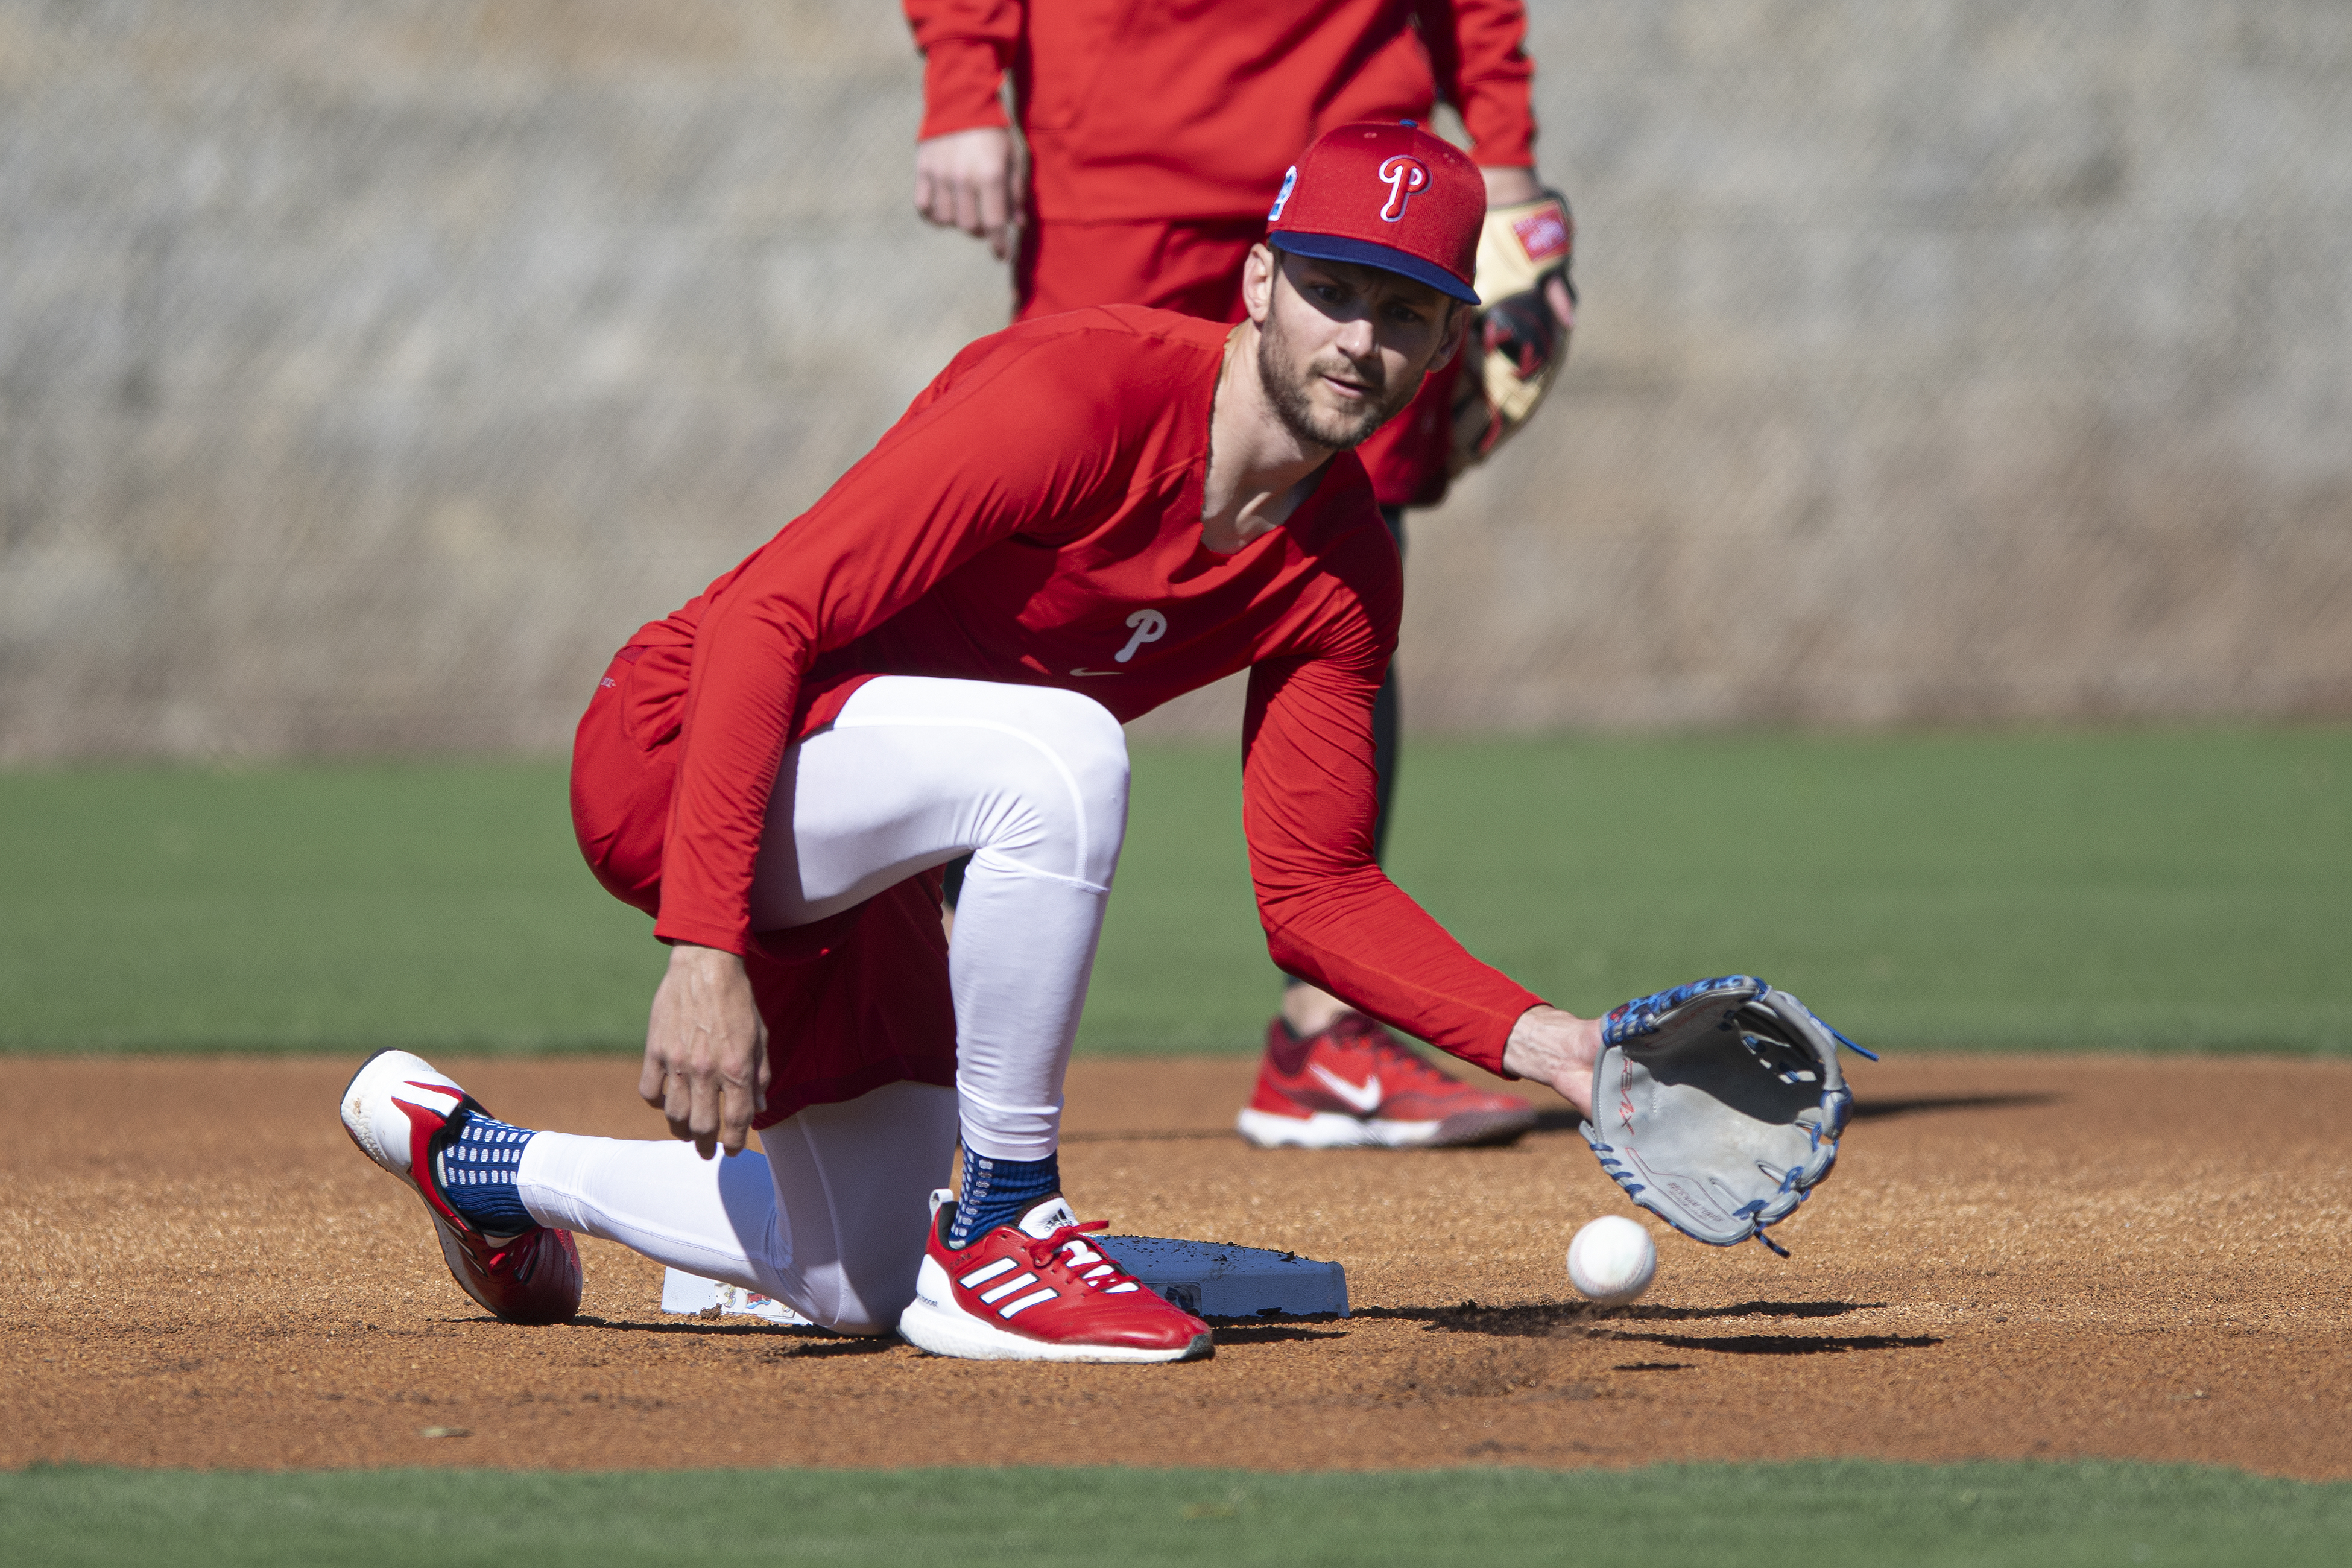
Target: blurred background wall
369, 370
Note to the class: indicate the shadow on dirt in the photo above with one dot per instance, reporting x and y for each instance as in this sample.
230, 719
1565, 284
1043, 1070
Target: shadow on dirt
1777, 1344
1744, 1310
802, 1346
710, 1328
800, 1342
1247, 1331
1553, 1320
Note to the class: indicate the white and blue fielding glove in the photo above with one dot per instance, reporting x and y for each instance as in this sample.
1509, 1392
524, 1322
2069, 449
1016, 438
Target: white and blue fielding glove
1717, 1106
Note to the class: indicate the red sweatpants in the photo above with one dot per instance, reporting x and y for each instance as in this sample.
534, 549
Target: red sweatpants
850, 1003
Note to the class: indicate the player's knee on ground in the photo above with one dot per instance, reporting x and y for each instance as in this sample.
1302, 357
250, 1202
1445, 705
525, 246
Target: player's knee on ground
861, 1309
850, 1180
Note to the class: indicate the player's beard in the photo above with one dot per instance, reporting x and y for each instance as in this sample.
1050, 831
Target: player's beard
1286, 375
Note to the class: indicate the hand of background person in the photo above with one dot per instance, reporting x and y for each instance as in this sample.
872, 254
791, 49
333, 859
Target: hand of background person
1509, 187
969, 179
1557, 1048
705, 1050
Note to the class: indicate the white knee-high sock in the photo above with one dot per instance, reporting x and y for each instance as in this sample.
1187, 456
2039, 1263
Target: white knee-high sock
1015, 1015
716, 1218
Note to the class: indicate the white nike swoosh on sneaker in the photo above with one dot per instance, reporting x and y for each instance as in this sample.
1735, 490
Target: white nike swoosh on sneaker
1364, 1097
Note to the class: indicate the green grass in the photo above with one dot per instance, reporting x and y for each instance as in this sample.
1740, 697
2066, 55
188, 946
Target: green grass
2139, 889
435, 905
1823, 1515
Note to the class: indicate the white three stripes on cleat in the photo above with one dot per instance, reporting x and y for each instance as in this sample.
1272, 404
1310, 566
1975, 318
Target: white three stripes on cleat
1079, 1255
1020, 1282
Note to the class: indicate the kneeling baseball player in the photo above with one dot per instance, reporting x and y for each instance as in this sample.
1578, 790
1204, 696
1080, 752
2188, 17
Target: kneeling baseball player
1081, 518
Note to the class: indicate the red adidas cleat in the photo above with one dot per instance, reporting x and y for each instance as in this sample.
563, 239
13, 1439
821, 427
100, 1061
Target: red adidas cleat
1354, 1085
1040, 1292
397, 1109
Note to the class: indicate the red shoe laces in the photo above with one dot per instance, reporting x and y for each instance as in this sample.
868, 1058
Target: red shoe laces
1070, 1238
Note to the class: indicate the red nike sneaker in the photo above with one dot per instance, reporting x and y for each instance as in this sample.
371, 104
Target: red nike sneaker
397, 1109
1040, 1291
1354, 1085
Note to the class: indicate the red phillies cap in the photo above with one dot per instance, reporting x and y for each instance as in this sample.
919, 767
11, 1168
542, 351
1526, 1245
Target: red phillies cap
1391, 197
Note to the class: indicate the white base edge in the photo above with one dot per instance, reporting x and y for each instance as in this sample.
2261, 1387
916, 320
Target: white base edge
692, 1294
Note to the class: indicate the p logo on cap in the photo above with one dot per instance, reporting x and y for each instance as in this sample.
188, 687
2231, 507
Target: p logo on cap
1404, 175
1387, 195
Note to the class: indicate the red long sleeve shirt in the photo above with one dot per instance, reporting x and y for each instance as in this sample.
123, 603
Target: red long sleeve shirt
1032, 514
1192, 109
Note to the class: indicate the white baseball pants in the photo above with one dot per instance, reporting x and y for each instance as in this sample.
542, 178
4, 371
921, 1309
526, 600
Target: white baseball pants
1030, 781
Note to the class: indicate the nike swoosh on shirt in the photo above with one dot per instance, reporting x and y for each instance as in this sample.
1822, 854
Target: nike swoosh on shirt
1365, 1097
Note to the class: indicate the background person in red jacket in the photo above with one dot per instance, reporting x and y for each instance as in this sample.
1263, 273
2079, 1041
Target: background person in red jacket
1156, 135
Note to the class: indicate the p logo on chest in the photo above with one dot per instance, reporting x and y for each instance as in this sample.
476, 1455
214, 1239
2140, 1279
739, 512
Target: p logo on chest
1143, 627
1149, 625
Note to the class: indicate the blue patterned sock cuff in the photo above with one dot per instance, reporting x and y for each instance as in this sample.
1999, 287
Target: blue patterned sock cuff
478, 1175
999, 1191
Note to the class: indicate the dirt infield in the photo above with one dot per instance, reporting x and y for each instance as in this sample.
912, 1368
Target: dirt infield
2018, 1258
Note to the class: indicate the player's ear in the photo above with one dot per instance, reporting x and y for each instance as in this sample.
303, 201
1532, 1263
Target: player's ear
1459, 315
1258, 273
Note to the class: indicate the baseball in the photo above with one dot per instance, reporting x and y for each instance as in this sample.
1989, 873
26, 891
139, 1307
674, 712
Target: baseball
1611, 1262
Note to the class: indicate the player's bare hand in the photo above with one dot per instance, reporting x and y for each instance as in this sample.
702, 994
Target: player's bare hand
705, 1050
1557, 1048
1509, 187
969, 179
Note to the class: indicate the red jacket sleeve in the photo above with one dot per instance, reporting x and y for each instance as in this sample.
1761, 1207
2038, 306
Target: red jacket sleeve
980, 453
1477, 48
1331, 914
966, 46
